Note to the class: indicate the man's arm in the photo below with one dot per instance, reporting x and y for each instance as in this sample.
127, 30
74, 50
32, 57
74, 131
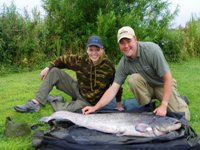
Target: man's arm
167, 89
105, 99
118, 99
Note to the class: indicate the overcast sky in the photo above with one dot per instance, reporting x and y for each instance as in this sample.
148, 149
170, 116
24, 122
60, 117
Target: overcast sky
187, 8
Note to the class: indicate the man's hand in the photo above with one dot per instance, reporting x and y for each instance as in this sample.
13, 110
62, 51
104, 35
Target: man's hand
88, 109
44, 73
161, 110
119, 106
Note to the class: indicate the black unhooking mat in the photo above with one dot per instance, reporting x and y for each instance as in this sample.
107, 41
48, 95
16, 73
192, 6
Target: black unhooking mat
67, 136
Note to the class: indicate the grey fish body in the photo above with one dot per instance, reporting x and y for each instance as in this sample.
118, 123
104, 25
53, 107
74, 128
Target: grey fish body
131, 124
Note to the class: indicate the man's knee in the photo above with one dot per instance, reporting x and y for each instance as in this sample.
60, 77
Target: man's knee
54, 70
54, 74
135, 80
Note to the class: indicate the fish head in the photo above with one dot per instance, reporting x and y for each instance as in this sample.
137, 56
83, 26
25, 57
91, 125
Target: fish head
161, 125
158, 126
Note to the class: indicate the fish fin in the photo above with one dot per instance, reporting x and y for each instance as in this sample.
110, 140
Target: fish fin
142, 127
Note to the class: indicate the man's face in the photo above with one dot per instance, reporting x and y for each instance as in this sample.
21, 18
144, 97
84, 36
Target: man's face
94, 53
128, 47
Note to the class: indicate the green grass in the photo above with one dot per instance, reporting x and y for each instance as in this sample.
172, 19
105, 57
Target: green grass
17, 88
187, 75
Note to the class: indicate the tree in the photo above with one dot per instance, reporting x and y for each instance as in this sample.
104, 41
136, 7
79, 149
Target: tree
68, 24
72, 21
21, 38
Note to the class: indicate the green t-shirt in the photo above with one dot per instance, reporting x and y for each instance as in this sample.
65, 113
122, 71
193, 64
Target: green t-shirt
150, 63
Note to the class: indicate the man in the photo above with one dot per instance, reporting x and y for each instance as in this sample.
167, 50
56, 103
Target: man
94, 71
150, 76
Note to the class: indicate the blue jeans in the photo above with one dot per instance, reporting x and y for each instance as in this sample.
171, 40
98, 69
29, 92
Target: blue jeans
128, 104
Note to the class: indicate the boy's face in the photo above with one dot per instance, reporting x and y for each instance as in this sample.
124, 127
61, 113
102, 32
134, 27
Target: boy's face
94, 53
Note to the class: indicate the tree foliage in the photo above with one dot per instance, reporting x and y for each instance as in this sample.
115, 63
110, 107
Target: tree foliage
26, 41
192, 36
22, 39
73, 21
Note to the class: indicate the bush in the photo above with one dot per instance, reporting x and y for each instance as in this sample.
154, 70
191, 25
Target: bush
27, 42
171, 44
22, 38
192, 37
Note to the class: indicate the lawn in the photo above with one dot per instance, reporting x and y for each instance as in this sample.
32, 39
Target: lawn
17, 88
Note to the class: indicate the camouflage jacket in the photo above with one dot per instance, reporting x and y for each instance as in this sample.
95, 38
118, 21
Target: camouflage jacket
93, 80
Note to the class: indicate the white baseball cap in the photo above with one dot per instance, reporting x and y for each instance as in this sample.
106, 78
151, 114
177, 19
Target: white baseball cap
125, 32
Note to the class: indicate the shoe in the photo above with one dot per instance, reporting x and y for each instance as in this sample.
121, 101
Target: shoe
185, 99
55, 99
30, 106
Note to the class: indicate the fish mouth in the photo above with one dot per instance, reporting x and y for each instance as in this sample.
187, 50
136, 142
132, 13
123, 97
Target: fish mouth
166, 128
